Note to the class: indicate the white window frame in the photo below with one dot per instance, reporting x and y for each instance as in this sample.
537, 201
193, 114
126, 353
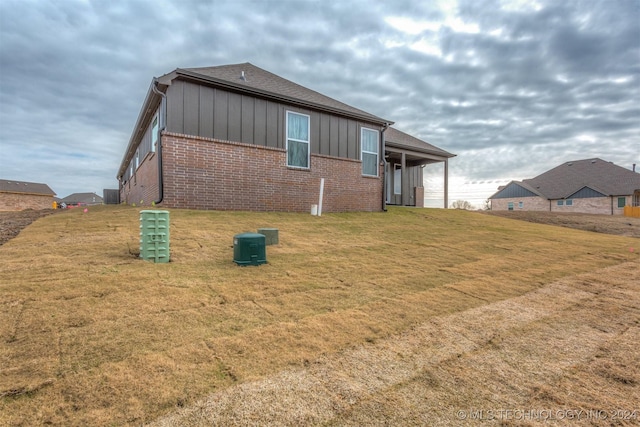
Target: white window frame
137, 158
155, 126
568, 202
560, 202
520, 205
397, 179
363, 151
308, 141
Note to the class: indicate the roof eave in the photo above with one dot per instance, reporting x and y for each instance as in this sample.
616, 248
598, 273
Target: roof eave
440, 153
137, 129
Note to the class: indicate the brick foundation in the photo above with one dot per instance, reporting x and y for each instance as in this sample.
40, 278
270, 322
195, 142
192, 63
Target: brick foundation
205, 173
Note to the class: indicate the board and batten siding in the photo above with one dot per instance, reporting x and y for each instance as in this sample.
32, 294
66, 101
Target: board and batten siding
413, 177
209, 112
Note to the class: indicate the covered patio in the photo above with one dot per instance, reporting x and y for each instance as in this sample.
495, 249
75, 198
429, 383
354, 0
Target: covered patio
405, 157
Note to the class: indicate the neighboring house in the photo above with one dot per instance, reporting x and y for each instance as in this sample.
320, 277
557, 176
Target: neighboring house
238, 137
20, 195
82, 199
587, 186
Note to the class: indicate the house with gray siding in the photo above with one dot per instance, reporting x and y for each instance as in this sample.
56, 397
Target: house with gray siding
237, 137
585, 186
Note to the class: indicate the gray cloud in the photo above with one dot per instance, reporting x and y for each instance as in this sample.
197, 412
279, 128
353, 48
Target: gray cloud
513, 88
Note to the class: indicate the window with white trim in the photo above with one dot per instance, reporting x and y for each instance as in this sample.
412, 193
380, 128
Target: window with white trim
560, 202
568, 202
298, 140
622, 201
369, 151
154, 134
397, 179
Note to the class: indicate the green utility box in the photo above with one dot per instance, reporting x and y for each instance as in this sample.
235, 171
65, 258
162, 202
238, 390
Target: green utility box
249, 249
154, 235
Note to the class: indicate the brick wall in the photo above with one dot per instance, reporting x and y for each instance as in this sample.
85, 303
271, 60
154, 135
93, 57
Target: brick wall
142, 188
528, 204
591, 205
205, 173
19, 202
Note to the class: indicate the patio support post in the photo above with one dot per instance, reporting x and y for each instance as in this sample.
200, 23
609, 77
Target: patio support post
404, 180
446, 183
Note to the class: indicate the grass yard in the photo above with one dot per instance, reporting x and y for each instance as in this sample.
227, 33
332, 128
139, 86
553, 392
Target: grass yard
91, 335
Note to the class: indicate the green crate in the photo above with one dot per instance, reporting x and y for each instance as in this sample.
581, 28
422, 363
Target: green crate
154, 235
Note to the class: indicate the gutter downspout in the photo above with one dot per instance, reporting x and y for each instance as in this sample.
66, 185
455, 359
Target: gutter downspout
611, 205
384, 172
161, 128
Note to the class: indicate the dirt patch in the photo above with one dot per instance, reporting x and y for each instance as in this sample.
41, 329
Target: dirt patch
608, 224
12, 223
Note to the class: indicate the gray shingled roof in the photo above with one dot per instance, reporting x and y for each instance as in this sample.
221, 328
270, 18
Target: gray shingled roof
22, 187
82, 198
393, 136
259, 81
597, 174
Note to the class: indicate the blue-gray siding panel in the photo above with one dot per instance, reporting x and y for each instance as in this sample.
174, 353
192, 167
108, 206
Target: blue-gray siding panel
586, 193
514, 190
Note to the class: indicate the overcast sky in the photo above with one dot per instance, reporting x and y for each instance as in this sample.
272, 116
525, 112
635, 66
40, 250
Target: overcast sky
513, 88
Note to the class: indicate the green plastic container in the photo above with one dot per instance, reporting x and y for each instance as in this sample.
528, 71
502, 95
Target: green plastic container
154, 235
249, 249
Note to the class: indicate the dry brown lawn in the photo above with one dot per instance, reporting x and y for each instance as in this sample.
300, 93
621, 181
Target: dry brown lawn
401, 317
562, 353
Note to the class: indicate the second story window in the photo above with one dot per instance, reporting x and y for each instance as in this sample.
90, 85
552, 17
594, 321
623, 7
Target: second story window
297, 140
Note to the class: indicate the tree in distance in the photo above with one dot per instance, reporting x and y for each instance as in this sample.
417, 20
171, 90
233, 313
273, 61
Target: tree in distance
461, 204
